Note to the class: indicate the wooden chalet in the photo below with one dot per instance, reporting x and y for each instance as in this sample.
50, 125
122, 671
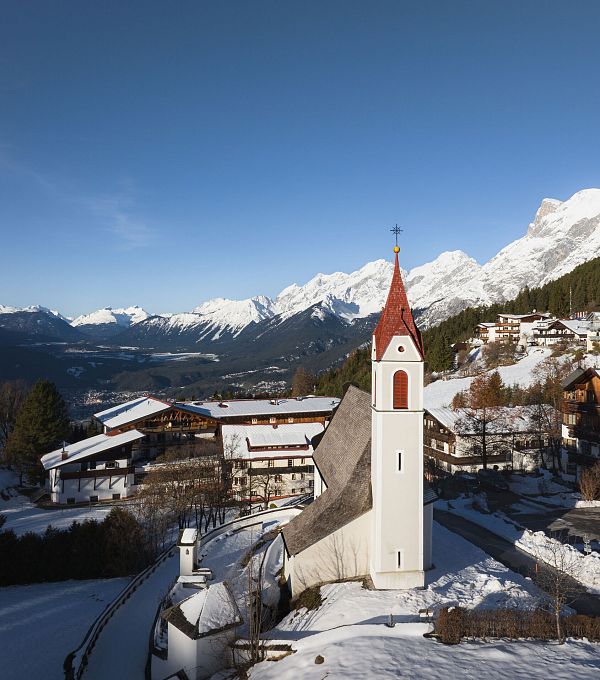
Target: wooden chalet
449, 445
581, 419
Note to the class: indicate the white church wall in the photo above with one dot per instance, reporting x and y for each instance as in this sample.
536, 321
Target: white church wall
341, 555
397, 500
427, 536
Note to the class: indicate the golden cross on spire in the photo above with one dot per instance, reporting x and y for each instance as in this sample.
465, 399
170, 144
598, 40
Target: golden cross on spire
396, 231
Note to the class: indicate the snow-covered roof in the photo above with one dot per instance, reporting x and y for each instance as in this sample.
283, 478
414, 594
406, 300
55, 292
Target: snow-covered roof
131, 411
578, 326
487, 324
260, 407
238, 437
206, 612
88, 447
575, 325
506, 419
523, 316
188, 536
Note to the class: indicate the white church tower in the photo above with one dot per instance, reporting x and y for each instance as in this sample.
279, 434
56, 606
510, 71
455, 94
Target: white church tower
397, 545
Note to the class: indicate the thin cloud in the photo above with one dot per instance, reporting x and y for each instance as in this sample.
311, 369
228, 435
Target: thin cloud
116, 211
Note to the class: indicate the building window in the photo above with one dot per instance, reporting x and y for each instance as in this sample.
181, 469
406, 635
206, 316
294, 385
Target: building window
399, 461
270, 462
254, 421
302, 461
293, 475
399, 559
93, 499
272, 420
116, 496
400, 390
290, 420
243, 481
278, 478
290, 462
70, 501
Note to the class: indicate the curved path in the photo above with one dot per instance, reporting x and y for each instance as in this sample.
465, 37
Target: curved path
122, 649
508, 554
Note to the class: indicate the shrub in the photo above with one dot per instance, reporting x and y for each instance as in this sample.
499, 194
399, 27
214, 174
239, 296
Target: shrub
455, 623
309, 598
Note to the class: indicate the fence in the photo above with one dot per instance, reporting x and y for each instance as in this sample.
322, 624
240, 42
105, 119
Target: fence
76, 661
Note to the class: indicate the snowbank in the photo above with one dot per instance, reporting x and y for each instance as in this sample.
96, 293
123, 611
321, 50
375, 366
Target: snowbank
534, 543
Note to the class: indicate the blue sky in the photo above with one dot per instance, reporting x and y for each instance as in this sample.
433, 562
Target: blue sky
162, 153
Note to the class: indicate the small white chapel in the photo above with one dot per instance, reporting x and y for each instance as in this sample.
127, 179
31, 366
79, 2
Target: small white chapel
373, 512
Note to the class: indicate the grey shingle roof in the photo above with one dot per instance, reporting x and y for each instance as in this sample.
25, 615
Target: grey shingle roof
575, 376
343, 458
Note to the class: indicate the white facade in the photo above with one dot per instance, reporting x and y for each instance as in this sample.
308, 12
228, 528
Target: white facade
397, 550
112, 483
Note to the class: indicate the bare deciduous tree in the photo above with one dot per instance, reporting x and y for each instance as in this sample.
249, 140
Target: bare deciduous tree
589, 483
560, 568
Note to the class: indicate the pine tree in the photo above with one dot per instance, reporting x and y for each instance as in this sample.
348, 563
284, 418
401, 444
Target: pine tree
41, 425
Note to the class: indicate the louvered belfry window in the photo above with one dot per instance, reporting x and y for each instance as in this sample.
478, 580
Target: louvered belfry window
400, 390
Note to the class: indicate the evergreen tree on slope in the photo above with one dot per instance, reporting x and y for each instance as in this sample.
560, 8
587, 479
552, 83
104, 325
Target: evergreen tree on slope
41, 425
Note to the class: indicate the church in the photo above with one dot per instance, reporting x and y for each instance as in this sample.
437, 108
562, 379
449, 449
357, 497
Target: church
372, 513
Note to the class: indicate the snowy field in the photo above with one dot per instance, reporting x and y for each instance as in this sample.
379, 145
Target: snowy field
23, 516
40, 624
348, 629
523, 373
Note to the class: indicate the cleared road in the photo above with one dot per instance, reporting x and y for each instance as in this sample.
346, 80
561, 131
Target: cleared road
506, 553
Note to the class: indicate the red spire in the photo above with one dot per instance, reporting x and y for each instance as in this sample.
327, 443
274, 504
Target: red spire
396, 317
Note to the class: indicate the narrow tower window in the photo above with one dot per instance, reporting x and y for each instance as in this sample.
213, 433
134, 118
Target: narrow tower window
399, 559
399, 455
400, 389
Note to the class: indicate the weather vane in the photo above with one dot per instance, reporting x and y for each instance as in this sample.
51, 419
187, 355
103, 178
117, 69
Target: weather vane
396, 231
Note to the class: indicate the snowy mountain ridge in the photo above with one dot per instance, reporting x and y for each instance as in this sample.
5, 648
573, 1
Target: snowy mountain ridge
562, 235
124, 317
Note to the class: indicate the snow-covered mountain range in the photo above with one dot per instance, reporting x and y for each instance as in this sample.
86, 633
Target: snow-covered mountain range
562, 235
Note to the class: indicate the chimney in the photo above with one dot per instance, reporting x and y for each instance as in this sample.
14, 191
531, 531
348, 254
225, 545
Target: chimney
64, 455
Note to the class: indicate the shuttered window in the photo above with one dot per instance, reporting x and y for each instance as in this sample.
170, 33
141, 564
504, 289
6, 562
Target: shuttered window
400, 389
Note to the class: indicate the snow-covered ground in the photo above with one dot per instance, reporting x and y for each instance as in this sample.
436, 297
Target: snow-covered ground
348, 629
225, 557
548, 491
40, 624
23, 516
523, 373
533, 542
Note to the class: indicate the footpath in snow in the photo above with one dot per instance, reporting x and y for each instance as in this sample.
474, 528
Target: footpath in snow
122, 648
